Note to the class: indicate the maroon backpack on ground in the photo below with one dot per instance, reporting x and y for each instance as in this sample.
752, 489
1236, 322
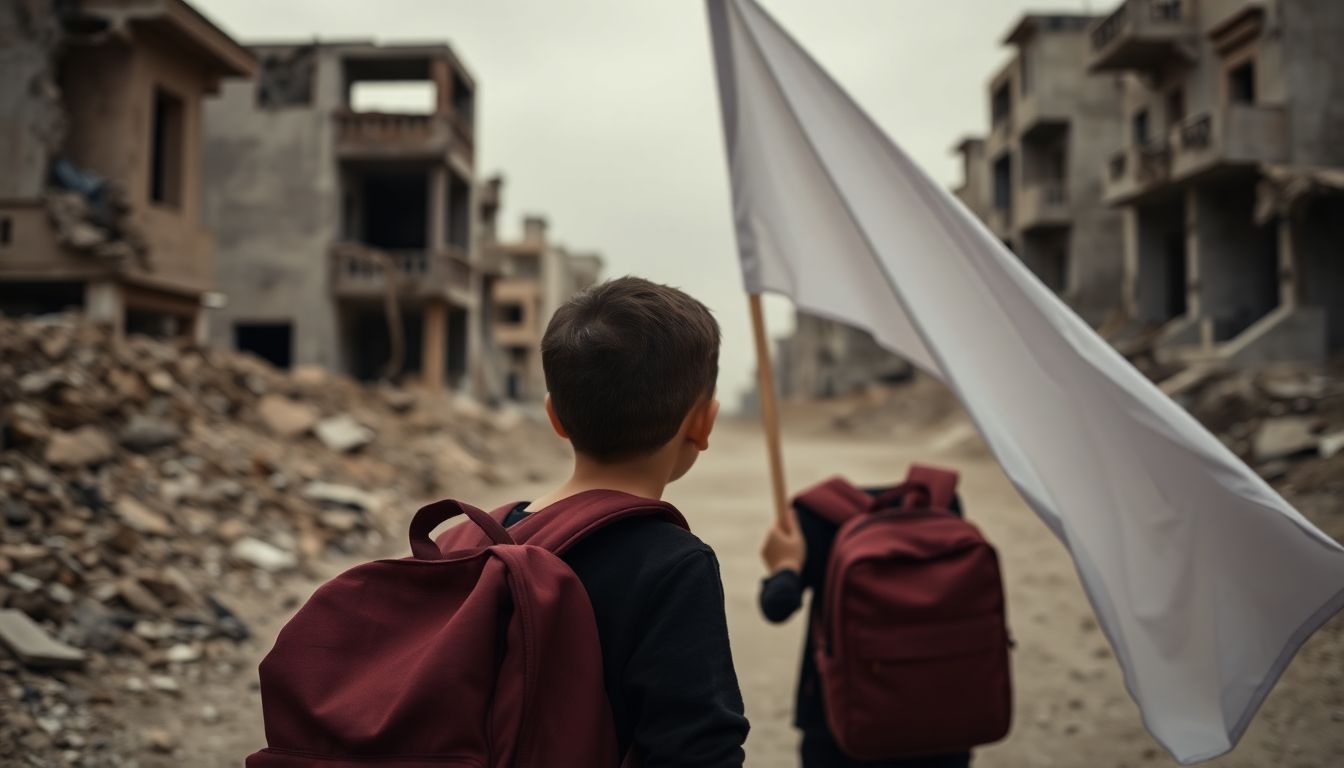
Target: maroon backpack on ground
478, 651
912, 648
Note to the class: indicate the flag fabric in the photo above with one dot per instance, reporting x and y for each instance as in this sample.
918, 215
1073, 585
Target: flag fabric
1204, 580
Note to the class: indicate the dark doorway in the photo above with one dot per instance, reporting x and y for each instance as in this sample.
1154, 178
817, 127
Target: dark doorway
156, 325
1241, 84
369, 347
1174, 304
272, 342
395, 209
1003, 183
19, 299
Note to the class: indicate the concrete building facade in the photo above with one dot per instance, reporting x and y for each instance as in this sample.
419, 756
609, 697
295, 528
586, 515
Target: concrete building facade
1033, 178
1229, 106
100, 159
341, 226
823, 359
533, 277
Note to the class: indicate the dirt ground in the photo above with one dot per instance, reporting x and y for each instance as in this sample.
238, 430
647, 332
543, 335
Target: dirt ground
1071, 706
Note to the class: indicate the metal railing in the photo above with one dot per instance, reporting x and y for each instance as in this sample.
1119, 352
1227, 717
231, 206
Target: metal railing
1053, 192
1196, 133
1158, 11
1118, 165
374, 126
1154, 162
358, 268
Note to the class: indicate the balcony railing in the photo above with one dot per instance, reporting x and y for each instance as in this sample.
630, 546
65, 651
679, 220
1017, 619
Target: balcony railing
379, 134
1043, 204
360, 272
1241, 134
1135, 171
1143, 34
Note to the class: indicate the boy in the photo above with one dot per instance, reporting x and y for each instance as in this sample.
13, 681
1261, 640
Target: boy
630, 368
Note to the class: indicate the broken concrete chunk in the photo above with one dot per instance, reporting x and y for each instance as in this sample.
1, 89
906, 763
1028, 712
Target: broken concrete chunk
259, 554
309, 376
82, 447
339, 520
163, 683
1331, 445
34, 647
343, 434
342, 495
145, 433
1284, 437
24, 583
1310, 387
286, 418
161, 381
141, 518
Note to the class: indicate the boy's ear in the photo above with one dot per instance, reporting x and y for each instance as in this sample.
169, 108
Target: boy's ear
555, 420
702, 423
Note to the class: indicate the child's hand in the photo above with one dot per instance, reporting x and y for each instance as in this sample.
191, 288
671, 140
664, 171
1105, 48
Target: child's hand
783, 549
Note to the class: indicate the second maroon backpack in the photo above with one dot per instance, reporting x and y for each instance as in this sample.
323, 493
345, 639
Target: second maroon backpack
479, 651
912, 648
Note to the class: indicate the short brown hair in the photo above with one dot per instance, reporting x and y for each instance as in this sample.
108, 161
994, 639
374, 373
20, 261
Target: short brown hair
625, 361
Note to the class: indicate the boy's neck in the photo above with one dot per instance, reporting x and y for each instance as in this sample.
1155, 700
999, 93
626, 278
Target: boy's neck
646, 477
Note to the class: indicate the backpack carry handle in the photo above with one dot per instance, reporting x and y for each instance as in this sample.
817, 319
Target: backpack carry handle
431, 515
910, 494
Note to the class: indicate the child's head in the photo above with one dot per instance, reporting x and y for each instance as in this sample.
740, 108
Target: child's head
630, 366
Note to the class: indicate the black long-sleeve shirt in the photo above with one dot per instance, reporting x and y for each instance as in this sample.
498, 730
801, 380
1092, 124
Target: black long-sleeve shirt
658, 600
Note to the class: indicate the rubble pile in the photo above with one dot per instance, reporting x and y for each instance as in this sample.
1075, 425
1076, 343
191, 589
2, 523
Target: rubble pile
145, 487
1287, 423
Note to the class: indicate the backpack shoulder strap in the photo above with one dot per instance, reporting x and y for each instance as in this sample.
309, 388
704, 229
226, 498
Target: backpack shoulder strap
836, 500
565, 523
941, 482
464, 536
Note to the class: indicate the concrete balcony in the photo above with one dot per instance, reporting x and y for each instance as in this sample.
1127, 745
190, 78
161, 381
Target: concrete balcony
1042, 114
385, 135
1136, 171
1242, 134
1043, 205
1144, 35
359, 272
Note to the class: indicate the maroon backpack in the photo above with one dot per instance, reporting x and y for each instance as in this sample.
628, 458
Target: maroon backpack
912, 647
479, 651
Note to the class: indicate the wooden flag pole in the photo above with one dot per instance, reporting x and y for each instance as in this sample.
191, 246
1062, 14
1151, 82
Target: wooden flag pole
769, 414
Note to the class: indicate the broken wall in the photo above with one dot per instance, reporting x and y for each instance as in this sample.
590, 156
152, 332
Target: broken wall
31, 118
273, 202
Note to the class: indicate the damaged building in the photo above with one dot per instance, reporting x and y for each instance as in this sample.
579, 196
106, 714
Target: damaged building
1033, 179
100, 170
1230, 106
342, 193
531, 277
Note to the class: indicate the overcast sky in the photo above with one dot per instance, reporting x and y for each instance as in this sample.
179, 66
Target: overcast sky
603, 114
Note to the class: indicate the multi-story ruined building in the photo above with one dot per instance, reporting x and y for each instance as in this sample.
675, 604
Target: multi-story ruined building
100, 159
823, 358
534, 277
1033, 179
1234, 229
341, 185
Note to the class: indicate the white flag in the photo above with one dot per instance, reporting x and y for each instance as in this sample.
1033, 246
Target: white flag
1205, 580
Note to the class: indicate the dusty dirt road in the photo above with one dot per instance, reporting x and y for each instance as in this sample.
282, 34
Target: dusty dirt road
1072, 709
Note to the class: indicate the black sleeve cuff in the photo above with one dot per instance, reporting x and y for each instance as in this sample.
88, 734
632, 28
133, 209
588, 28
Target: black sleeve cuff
781, 595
